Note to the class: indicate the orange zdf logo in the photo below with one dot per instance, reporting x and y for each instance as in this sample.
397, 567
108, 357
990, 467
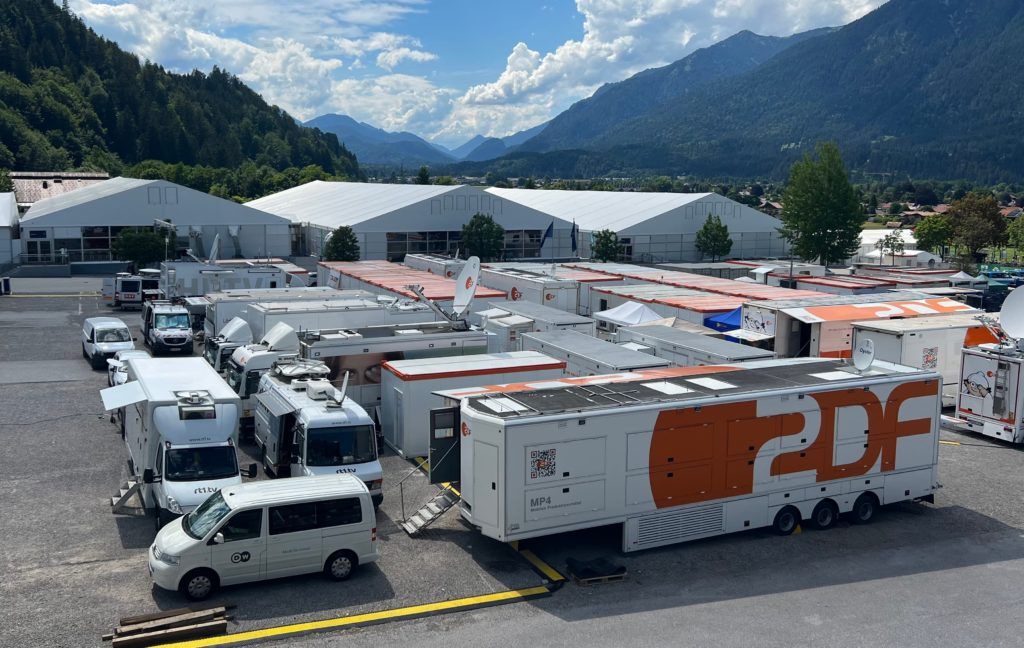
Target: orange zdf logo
469, 282
514, 294
728, 450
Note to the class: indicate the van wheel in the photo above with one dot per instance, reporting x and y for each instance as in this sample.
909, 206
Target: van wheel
824, 515
97, 363
84, 353
340, 565
199, 584
864, 509
786, 521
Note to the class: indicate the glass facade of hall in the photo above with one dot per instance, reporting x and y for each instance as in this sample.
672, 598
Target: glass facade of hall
519, 244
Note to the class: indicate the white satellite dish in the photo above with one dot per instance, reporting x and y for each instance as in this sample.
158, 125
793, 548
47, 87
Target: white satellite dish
864, 354
1011, 315
465, 286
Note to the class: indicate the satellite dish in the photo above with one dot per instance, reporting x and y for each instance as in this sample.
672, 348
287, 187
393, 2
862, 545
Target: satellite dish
1011, 315
864, 354
465, 287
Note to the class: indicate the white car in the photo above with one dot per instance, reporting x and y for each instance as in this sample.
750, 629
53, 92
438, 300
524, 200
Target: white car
117, 373
102, 337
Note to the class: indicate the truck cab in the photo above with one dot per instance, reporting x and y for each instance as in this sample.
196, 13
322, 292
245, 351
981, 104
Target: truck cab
306, 427
217, 349
248, 363
166, 327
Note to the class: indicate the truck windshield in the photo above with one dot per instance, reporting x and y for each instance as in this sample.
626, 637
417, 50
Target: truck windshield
113, 335
130, 286
194, 464
210, 352
235, 376
340, 446
176, 320
206, 516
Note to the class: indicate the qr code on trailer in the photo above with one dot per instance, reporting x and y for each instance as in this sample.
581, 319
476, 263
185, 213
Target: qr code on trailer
542, 463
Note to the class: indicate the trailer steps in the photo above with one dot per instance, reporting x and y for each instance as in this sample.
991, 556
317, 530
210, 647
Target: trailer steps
431, 511
128, 490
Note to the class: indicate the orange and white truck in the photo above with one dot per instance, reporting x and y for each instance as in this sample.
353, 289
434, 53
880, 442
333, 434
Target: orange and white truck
677, 454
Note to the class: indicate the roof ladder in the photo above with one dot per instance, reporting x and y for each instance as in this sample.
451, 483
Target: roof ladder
128, 490
431, 511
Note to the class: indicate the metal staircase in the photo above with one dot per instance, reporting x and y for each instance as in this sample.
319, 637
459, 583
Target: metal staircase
128, 490
431, 511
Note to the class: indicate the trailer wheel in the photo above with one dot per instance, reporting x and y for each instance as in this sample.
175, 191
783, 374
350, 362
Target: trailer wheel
825, 515
340, 565
198, 584
864, 508
786, 520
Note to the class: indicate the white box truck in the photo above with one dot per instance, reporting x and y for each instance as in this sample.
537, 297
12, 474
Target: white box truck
990, 396
305, 427
226, 305
342, 313
439, 265
686, 349
180, 428
588, 356
533, 286
545, 318
408, 389
691, 452
194, 278
934, 343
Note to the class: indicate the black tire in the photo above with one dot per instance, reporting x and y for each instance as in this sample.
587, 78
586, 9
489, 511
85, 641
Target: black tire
864, 509
97, 362
199, 584
163, 518
825, 515
786, 521
85, 354
340, 565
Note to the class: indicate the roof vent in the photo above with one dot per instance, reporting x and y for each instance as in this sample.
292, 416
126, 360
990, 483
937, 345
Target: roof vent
319, 389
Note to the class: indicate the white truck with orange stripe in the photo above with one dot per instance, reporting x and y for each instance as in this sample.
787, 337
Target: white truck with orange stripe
692, 452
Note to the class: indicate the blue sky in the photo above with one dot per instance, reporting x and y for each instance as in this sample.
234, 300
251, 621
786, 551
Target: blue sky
445, 69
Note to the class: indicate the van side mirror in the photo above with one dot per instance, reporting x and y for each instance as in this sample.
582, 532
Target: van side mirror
147, 476
252, 472
295, 459
218, 538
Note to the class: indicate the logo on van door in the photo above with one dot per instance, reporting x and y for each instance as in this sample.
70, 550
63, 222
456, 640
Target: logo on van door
345, 470
240, 557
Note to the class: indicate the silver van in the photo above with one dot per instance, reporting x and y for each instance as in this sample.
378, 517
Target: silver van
268, 529
102, 337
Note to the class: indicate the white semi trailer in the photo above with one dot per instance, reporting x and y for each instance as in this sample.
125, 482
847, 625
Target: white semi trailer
691, 452
223, 306
180, 429
333, 314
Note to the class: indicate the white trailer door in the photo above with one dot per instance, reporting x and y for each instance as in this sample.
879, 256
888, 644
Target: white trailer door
485, 483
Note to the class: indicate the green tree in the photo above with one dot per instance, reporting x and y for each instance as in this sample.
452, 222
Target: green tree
423, 177
821, 209
606, 246
891, 243
1015, 235
342, 245
6, 184
141, 247
977, 223
934, 232
444, 180
896, 209
713, 238
484, 238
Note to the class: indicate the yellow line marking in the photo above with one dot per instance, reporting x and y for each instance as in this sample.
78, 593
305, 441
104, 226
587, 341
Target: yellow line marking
57, 295
949, 442
449, 486
552, 574
397, 614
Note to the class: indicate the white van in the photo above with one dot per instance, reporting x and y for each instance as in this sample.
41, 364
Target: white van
102, 337
270, 529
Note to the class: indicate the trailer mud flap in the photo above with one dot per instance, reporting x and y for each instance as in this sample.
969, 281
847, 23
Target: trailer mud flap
445, 445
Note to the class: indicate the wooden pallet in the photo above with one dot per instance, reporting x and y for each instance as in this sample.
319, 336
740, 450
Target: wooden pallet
596, 580
160, 627
593, 572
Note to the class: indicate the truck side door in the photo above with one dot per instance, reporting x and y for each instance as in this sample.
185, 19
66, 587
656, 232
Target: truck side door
240, 558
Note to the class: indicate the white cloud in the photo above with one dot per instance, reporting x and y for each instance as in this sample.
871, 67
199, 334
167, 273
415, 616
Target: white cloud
317, 56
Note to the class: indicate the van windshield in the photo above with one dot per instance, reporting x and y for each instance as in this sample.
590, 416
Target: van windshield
206, 516
194, 464
176, 320
113, 335
340, 446
130, 286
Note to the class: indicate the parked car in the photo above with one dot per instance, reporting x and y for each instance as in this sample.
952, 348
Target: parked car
102, 337
117, 373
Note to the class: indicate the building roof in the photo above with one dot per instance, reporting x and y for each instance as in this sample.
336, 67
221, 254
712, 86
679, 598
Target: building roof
32, 186
395, 278
598, 210
335, 204
134, 201
479, 364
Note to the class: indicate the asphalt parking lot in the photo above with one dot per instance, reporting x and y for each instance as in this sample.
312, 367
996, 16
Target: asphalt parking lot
945, 575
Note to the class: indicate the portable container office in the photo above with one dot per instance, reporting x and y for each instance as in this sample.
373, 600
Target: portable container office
439, 265
394, 279
533, 286
588, 356
360, 351
823, 326
687, 304
545, 318
691, 452
585, 279
333, 314
408, 386
225, 305
934, 343
508, 330
685, 349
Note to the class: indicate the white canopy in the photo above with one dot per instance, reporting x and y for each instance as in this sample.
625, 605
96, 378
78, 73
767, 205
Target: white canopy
961, 276
628, 314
